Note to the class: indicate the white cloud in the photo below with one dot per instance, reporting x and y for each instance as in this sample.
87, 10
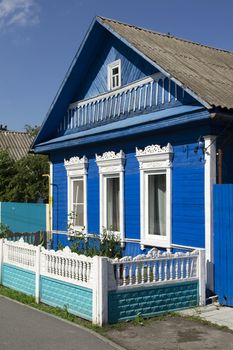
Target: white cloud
18, 13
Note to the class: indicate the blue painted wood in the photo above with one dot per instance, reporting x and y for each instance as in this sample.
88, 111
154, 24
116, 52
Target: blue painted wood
87, 76
187, 186
133, 67
93, 197
223, 243
131, 127
60, 211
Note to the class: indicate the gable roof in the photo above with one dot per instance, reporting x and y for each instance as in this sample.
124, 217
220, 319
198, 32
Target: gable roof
206, 71
16, 143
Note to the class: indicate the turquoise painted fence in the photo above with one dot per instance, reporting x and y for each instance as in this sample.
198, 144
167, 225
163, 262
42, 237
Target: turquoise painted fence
23, 217
151, 301
100, 289
18, 279
76, 299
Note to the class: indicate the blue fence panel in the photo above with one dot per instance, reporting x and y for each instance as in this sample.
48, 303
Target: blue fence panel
23, 217
18, 279
223, 243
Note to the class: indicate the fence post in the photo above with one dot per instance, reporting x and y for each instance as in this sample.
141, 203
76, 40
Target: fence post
37, 271
100, 290
202, 277
1, 258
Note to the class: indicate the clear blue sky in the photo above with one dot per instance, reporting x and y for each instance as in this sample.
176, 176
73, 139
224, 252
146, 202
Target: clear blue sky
38, 39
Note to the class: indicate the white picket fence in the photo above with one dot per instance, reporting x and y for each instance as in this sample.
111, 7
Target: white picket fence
156, 267
102, 274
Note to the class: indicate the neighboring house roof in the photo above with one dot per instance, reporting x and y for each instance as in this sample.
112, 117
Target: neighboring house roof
206, 71
16, 143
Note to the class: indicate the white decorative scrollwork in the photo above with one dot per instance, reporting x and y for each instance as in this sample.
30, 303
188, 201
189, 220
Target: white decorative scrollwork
76, 165
110, 155
154, 149
75, 160
110, 162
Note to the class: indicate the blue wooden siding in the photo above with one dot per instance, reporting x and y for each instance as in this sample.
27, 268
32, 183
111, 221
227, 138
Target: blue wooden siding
93, 197
60, 211
227, 164
187, 187
188, 197
223, 243
133, 67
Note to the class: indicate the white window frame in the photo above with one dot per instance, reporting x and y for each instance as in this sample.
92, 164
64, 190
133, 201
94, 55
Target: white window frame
111, 66
111, 165
76, 170
155, 160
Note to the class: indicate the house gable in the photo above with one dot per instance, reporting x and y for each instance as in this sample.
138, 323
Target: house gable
87, 78
133, 67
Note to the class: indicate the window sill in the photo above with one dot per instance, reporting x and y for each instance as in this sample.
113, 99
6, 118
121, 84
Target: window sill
158, 242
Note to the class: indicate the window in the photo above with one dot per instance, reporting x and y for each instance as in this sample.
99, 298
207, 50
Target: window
111, 173
112, 189
155, 194
156, 204
114, 75
77, 202
77, 192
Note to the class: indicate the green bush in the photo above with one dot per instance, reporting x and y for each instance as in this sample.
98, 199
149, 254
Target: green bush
107, 244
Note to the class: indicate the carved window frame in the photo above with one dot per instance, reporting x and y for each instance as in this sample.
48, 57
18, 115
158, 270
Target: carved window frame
154, 160
111, 66
76, 169
111, 164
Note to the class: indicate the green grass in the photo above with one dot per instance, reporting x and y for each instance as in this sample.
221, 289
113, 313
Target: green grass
139, 320
56, 311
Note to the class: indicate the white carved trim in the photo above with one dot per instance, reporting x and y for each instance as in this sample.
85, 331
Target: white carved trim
77, 169
155, 159
76, 164
110, 162
110, 155
210, 180
154, 149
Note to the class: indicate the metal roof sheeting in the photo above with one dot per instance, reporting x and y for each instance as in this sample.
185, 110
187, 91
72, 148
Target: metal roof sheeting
16, 143
205, 71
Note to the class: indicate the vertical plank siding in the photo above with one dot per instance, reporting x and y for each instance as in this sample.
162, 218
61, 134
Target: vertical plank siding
187, 190
223, 243
143, 96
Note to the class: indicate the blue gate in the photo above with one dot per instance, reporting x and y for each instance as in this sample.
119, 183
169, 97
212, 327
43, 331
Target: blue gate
223, 243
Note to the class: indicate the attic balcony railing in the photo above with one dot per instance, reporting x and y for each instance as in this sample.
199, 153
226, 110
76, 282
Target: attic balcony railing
140, 97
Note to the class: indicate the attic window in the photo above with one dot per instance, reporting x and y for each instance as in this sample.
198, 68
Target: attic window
114, 75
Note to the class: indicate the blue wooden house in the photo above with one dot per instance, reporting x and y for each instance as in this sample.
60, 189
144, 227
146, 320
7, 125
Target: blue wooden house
132, 137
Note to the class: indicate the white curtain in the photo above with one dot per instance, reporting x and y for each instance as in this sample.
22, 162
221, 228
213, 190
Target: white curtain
157, 204
113, 199
78, 204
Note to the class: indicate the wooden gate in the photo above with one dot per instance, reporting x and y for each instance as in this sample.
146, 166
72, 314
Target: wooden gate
223, 243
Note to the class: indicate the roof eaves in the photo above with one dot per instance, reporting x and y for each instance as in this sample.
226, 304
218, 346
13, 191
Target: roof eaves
178, 82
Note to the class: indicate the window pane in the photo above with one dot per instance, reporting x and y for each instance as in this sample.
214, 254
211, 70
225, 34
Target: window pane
113, 204
78, 217
157, 204
78, 191
115, 71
